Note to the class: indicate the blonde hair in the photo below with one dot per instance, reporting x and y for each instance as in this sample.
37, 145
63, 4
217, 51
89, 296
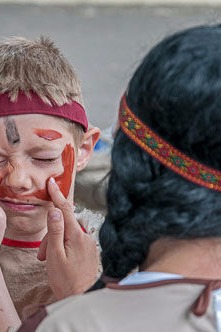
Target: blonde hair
38, 66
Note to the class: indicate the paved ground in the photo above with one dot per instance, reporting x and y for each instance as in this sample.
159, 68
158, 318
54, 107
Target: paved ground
104, 44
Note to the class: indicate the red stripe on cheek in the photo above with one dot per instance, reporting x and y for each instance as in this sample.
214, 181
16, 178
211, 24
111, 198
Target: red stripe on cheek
48, 134
3, 191
64, 180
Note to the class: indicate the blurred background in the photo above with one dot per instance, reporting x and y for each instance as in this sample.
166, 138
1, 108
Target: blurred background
104, 40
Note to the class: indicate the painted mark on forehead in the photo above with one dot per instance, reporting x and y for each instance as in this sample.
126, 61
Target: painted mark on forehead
48, 134
11, 131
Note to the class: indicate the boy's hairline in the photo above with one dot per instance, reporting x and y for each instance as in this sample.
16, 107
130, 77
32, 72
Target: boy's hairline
75, 129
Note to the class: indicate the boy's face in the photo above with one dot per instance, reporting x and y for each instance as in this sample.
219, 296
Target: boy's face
32, 149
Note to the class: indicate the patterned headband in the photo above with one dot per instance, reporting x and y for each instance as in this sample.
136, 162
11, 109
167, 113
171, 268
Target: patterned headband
35, 105
169, 156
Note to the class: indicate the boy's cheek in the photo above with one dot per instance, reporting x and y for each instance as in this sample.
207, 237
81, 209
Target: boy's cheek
64, 180
4, 190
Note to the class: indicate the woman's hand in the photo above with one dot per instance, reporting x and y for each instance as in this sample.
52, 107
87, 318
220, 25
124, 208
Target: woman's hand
71, 255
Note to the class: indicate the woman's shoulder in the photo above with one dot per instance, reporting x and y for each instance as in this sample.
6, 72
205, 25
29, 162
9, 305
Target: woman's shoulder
122, 310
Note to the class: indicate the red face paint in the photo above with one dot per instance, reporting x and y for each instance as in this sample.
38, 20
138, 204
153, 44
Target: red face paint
5, 191
48, 134
64, 180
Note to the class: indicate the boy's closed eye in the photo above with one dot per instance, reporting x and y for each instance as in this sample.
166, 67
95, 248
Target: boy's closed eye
46, 160
40, 160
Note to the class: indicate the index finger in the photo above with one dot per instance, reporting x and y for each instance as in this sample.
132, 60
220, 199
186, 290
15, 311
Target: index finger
59, 201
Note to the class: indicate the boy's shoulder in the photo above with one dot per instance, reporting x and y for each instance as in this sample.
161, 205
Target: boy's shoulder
90, 220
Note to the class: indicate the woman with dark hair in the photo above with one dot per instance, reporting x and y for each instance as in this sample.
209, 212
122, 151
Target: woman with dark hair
170, 125
161, 240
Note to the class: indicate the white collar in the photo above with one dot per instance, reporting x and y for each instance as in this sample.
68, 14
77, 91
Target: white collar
137, 278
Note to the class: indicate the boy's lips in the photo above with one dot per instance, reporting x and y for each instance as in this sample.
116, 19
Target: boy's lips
18, 205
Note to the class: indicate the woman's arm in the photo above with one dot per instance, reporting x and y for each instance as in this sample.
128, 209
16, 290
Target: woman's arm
8, 315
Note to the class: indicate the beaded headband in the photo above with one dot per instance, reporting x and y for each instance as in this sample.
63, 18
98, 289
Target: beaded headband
35, 105
169, 156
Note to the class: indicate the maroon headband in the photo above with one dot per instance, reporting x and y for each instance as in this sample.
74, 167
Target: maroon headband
35, 105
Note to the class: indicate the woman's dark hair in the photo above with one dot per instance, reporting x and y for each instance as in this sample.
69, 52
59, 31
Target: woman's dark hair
176, 91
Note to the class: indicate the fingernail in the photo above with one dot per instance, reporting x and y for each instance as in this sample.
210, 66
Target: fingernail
52, 180
55, 214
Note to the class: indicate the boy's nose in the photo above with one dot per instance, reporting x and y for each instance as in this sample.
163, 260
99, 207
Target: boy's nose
17, 178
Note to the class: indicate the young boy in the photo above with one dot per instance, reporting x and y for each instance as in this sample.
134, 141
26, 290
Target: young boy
43, 133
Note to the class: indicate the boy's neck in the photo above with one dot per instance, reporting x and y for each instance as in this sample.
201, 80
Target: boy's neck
12, 235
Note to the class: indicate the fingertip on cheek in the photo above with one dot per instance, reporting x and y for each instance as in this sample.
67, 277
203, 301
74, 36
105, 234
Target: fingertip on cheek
52, 180
52, 185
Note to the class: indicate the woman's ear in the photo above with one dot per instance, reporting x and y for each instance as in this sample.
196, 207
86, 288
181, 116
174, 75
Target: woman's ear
87, 147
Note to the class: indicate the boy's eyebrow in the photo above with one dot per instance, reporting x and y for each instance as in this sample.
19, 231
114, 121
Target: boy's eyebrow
48, 134
11, 131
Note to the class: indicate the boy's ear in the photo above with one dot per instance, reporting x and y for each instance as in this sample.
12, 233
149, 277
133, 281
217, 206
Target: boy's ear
87, 147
